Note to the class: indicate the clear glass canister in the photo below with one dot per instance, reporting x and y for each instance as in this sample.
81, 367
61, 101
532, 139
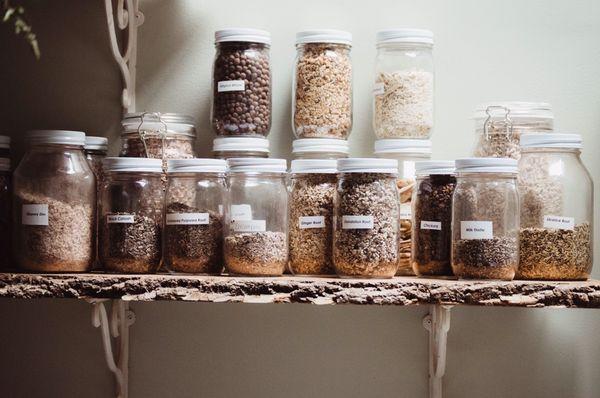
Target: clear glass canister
406, 152
556, 193
403, 91
485, 219
240, 147
322, 86
54, 204
132, 215
5, 214
311, 216
320, 148
242, 83
256, 217
499, 125
194, 215
367, 208
96, 149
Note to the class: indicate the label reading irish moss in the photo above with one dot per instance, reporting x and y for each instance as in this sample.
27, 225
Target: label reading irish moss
434, 225
476, 230
559, 222
357, 222
311, 222
187, 219
230, 85
120, 218
249, 225
34, 215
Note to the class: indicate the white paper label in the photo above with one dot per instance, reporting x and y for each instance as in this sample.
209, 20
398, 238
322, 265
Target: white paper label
357, 222
34, 215
559, 222
311, 222
249, 225
435, 225
120, 218
187, 219
230, 85
220, 210
476, 230
405, 211
378, 89
241, 212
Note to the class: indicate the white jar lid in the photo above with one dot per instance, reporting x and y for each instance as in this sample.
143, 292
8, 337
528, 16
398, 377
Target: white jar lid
143, 165
551, 140
403, 146
61, 137
4, 141
96, 143
241, 144
368, 165
405, 35
196, 165
487, 165
243, 34
4, 164
438, 167
320, 145
314, 166
155, 121
324, 36
518, 110
257, 165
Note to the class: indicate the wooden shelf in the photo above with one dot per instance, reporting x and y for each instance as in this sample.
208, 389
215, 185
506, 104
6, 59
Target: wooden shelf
289, 289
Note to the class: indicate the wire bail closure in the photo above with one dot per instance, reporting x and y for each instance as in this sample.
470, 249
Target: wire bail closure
506, 123
162, 134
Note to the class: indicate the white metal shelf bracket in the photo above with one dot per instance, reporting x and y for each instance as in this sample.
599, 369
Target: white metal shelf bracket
437, 323
131, 18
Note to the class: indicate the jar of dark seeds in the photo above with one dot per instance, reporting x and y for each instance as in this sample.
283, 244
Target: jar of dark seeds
556, 195
311, 216
240, 147
320, 148
485, 219
242, 83
256, 217
5, 214
132, 215
194, 215
432, 218
367, 210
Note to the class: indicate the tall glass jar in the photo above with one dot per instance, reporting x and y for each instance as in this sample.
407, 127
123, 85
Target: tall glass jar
132, 215
240, 147
320, 148
256, 217
241, 83
498, 126
365, 242
193, 239
5, 214
54, 203
557, 203
322, 86
403, 91
485, 219
406, 152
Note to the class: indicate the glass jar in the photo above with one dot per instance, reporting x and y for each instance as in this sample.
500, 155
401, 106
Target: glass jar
403, 91
485, 219
406, 152
499, 125
432, 218
54, 203
365, 242
556, 193
5, 214
95, 149
256, 217
240, 147
320, 148
241, 83
322, 86
132, 215
4, 146
311, 216
194, 215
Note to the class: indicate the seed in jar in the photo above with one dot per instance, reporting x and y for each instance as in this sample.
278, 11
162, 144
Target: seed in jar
495, 258
256, 253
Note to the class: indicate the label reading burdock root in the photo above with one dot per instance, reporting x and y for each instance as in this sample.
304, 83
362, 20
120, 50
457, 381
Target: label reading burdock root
249, 225
311, 222
435, 225
476, 230
187, 219
357, 222
230, 85
34, 215
120, 218
559, 222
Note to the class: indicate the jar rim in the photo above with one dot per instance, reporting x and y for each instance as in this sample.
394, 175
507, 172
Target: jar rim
314, 166
131, 164
257, 165
325, 36
241, 144
411, 36
486, 165
55, 137
320, 145
368, 165
196, 165
247, 35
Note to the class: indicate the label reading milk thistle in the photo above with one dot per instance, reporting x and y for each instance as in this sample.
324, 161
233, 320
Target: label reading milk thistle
249, 225
405, 211
434, 225
230, 85
559, 222
311, 222
241, 212
476, 230
34, 215
378, 89
187, 219
357, 222
120, 218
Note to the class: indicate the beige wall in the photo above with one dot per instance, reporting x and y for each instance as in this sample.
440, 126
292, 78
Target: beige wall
485, 50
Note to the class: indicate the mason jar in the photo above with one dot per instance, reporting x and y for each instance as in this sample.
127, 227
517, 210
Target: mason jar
322, 85
241, 83
403, 90
320, 148
485, 219
132, 215
256, 217
557, 209
5, 214
240, 147
54, 203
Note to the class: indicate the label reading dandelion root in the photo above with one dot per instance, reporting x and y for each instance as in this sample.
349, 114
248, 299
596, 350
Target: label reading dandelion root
559, 222
357, 222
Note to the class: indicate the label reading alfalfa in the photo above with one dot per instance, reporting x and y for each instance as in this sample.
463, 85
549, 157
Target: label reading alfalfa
559, 222
311, 222
34, 215
249, 225
187, 219
230, 85
435, 225
120, 218
405, 211
241, 212
378, 89
476, 230
357, 222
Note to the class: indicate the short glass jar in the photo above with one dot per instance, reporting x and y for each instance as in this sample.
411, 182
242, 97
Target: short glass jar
403, 91
240, 147
485, 219
322, 85
5, 214
406, 152
320, 148
132, 215
365, 242
556, 193
498, 126
54, 204
241, 83
312, 193
256, 217
432, 218
4, 146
